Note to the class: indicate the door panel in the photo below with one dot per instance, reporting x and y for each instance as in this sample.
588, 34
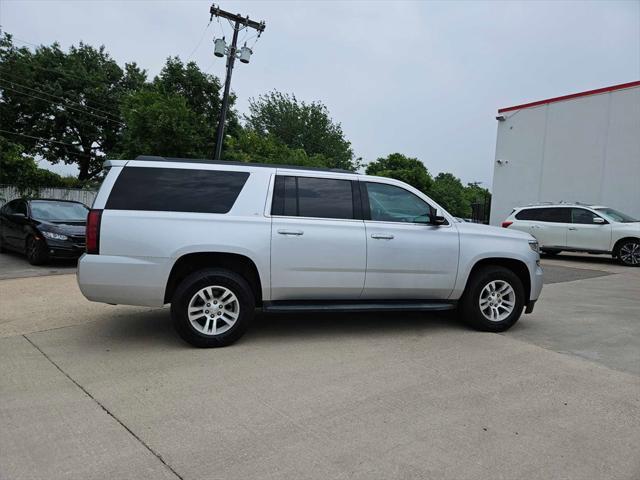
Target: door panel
410, 261
317, 259
407, 257
582, 233
550, 234
550, 226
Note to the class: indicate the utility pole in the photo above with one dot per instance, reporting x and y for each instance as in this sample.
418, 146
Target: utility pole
231, 52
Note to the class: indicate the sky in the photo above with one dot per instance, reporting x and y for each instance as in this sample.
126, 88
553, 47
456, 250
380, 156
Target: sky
421, 78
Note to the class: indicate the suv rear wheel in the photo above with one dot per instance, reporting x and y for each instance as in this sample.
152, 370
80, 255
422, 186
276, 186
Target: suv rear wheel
212, 308
494, 299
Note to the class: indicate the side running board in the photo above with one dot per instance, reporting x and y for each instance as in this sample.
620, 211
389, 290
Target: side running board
338, 306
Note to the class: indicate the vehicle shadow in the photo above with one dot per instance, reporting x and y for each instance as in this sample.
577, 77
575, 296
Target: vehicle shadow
154, 327
582, 258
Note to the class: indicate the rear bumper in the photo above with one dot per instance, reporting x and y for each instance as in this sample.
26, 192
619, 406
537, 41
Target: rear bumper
123, 280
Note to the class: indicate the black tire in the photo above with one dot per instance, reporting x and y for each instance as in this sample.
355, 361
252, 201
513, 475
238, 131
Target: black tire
628, 252
551, 253
469, 307
36, 251
207, 278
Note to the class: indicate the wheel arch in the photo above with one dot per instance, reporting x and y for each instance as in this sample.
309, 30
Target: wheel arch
192, 262
516, 266
619, 243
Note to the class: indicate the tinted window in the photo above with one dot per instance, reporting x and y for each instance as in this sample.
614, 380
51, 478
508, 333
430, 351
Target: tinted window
50, 210
553, 215
312, 197
20, 207
580, 215
529, 214
176, 190
389, 203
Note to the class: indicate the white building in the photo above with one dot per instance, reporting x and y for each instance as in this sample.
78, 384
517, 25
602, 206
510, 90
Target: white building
581, 147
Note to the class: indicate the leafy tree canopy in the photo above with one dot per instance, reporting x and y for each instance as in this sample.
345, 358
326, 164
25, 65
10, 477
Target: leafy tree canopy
64, 106
449, 192
22, 171
249, 146
174, 115
400, 167
301, 125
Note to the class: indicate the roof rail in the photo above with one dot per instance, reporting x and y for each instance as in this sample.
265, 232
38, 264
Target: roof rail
153, 158
561, 202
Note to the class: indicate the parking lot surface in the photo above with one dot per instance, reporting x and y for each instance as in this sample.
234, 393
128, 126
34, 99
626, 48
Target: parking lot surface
99, 391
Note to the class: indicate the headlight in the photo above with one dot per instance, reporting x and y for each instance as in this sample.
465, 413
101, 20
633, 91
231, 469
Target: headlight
54, 236
534, 246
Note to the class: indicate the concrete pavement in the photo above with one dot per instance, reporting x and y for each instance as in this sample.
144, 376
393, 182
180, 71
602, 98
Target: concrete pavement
111, 392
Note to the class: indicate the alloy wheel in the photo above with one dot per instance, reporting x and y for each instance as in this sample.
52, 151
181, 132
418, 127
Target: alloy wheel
630, 253
213, 310
497, 300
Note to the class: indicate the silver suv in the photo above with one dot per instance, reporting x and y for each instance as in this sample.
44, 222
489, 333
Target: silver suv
218, 239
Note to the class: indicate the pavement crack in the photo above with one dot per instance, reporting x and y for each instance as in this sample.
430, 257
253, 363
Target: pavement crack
106, 410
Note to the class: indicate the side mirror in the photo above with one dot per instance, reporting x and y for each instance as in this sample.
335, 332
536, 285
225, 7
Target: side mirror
16, 217
598, 220
438, 220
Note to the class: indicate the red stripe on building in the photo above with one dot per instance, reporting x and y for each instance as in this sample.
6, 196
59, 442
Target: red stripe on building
573, 95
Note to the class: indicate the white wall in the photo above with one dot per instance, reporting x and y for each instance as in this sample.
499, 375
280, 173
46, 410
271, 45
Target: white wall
585, 149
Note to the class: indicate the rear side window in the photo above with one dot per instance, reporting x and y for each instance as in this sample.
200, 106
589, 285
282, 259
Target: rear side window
552, 215
176, 190
529, 214
313, 197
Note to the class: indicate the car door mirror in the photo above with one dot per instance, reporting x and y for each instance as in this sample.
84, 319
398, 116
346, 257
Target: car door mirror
599, 220
438, 220
18, 217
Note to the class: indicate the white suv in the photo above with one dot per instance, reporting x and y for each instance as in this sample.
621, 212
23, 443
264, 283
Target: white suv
580, 228
217, 239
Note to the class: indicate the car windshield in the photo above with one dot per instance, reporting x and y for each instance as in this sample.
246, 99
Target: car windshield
51, 210
615, 216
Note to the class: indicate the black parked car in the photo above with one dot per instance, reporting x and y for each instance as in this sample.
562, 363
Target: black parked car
43, 229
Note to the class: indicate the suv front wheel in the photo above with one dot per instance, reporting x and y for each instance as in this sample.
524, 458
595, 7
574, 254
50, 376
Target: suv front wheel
212, 308
494, 299
628, 252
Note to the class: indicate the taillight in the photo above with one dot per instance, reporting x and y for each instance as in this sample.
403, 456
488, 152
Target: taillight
506, 224
93, 231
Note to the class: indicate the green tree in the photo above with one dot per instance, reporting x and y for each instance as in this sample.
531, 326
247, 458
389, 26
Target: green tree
160, 124
22, 171
248, 146
406, 169
64, 106
301, 125
174, 115
449, 192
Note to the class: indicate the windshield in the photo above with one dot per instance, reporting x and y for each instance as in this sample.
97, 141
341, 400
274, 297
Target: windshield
58, 211
615, 216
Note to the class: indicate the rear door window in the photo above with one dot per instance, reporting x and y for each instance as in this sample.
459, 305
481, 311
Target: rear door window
313, 197
176, 190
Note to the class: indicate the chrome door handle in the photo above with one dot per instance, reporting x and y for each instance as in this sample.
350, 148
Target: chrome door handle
572, 228
290, 232
382, 236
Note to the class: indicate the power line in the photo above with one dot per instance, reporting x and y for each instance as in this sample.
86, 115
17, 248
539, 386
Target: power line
55, 96
67, 106
49, 141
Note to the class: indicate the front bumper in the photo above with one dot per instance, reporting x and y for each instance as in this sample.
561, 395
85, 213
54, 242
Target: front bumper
537, 280
65, 248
